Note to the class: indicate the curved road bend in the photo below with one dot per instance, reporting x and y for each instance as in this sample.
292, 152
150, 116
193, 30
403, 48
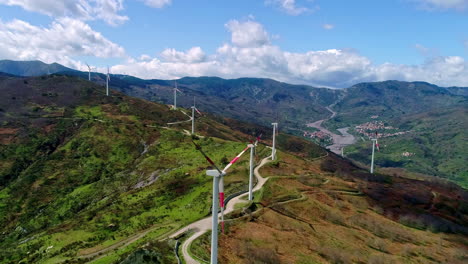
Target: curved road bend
204, 224
339, 141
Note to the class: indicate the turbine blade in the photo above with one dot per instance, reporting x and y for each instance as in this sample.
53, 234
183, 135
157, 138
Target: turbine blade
197, 147
235, 159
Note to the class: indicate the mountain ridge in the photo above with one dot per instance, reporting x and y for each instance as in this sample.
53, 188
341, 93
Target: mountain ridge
263, 101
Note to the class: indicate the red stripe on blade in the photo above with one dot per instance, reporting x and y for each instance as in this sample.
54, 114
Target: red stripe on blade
221, 199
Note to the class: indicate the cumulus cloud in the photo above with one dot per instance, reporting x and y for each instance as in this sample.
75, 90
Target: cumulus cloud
106, 10
328, 26
60, 42
193, 55
247, 33
157, 3
288, 6
251, 54
443, 4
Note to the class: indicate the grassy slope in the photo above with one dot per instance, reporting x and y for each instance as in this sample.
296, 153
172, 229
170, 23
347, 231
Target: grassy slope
71, 159
262, 101
83, 170
323, 212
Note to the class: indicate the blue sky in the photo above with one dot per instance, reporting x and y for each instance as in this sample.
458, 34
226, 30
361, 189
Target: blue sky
319, 42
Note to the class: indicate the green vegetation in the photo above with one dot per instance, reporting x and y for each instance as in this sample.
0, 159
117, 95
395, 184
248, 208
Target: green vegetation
105, 173
84, 177
435, 146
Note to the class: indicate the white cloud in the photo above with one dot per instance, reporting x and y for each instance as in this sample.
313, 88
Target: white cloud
193, 55
443, 4
289, 6
64, 39
250, 54
328, 26
145, 57
106, 10
157, 3
248, 33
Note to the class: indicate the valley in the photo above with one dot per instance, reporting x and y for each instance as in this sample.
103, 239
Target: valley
338, 141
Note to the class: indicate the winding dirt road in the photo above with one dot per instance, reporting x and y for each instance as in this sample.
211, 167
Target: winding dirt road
339, 141
204, 224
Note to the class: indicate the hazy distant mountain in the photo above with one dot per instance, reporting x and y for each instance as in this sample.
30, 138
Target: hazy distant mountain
30, 68
458, 90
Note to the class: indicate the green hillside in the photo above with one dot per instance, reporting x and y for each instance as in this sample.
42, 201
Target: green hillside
389, 100
262, 101
436, 145
81, 171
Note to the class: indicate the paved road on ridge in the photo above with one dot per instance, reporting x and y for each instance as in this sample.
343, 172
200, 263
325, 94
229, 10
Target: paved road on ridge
204, 224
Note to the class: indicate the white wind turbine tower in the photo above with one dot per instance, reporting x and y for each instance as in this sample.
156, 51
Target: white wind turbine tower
194, 108
251, 167
89, 71
375, 144
218, 192
175, 95
273, 148
107, 82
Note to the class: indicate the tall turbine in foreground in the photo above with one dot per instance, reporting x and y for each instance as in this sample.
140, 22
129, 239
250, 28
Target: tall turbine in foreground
273, 148
375, 144
218, 192
107, 82
175, 95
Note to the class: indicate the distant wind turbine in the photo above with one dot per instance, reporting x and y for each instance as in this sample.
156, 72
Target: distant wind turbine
89, 71
218, 192
273, 148
194, 108
375, 144
175, 95
107, 82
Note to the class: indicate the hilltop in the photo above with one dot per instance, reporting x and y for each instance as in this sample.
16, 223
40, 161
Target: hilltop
31, 68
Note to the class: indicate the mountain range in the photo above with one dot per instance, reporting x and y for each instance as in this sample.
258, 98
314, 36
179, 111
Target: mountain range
262, 101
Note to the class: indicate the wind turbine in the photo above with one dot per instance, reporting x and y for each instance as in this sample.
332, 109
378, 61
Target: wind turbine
251, 167
218, 192
107, 82
89, 71
273, 149
375, 144
175, 95
193, 116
